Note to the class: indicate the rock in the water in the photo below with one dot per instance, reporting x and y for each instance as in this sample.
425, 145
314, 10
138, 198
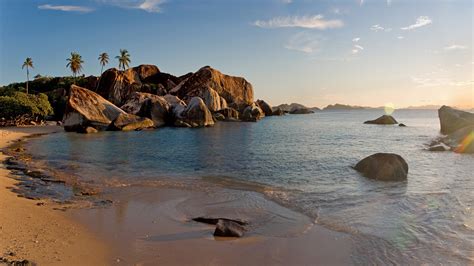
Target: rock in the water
212, 220
252, 113
402, 125
230, 114
235, 90
86, 108
300, 111
266, 108
177, 106
219, 117
278, 112
384, 167
197, 114
461, 140
228, 228
383, 120
87, 130
128, 122
439, 147
452, 120
148, 105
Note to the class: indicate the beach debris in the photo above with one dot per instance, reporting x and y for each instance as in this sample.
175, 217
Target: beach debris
383, 120
384, 167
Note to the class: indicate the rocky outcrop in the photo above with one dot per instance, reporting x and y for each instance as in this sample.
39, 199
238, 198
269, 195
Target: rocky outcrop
461, 140
452, 120
86, 108
177, 107
196, 114
266, 108
230, 114
148, 105
278, 112
235, 90
252, 113
301, 111
288, 107
383, 120
384, 167
128, 122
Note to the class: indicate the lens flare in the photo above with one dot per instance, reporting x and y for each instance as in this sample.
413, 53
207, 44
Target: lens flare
468, 140
389, 108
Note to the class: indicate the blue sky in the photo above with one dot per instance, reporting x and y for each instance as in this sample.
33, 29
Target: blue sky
361, 52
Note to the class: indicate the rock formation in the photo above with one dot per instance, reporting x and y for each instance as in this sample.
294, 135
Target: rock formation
383, 120
196, 114
300, 111
265, 107
384, 167
86, 108
148, 105
452, 120
230, 114
252, 113
128, 122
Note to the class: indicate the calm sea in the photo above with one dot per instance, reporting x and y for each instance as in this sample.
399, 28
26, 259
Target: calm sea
304, 162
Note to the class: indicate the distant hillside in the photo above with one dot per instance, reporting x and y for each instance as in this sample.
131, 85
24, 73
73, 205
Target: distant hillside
293, 106
337, 106
423, 107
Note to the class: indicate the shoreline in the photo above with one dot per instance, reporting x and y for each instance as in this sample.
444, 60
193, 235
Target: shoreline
31, 229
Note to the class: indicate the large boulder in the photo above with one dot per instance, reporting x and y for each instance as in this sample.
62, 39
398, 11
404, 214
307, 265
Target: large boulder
128, 122
252, 113
461, 140
235, 90
452, 120
383, 120
266, 108
196, 114
86, 108
177, 106
148, 105
384, 167
212, 99
230, 114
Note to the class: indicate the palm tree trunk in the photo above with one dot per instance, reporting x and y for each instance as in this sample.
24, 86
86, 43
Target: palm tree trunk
27, 78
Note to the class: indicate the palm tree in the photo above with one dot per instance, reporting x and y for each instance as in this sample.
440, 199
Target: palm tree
123, 58
28, 63
75, 64
103, 60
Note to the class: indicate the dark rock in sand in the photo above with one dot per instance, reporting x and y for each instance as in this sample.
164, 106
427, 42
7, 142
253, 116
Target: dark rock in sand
452, 120
228, 228
384, 167
383, 120
252, 113
401, 125
196, 114
234, 90
86, 108
266, 108
301, 111
128, 122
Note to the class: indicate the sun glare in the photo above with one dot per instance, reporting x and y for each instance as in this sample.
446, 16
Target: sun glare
389, 108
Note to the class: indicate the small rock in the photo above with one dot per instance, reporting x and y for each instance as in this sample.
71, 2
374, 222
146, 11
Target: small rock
439, 147
87, 130
227, 228
401, 125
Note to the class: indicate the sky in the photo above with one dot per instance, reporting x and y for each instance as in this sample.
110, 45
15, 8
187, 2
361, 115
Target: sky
358, 52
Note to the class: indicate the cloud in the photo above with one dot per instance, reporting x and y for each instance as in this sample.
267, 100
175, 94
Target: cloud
81, 9
355, 51
287, 1
377, 28
304, 42
359, 47
400, 37
152, 6
357, 39
455, 47
308, 22
420, 22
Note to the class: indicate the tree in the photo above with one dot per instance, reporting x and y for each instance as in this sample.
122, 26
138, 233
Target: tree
103, 60
28, 63
75, 64
124, 59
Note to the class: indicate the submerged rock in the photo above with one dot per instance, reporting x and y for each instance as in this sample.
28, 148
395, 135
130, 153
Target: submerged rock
228, 228
86, 108
383, 120
439, 147
128, 122
384, 167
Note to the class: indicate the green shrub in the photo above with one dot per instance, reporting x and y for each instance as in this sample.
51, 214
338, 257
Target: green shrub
21, 104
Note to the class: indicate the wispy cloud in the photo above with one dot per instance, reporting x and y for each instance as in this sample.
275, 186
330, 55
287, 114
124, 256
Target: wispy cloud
400, 37
357, 39
308, 22
420, 22
455, 47
80, 9
287, 1
152, 6
304, 42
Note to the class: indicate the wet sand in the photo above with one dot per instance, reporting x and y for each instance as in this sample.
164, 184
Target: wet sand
39, 233
149, 225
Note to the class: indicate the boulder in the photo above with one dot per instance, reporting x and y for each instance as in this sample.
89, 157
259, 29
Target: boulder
218, 117
230, 114
461, 140
176, 106
117, 86
266, 108
278, 112
233, 89
228, 228
300, 111
86, 108
212, 99
383, 120
87, 130
197, 114
452, 120
128, 122
252, 113
384, 167
148, 105
402, 125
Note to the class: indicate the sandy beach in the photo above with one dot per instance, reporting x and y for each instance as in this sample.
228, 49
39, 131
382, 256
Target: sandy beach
38, 233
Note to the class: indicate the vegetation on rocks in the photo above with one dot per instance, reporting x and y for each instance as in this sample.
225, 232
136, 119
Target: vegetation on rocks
20, 108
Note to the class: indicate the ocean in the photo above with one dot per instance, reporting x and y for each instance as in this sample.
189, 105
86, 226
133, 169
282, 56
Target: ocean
304, 163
